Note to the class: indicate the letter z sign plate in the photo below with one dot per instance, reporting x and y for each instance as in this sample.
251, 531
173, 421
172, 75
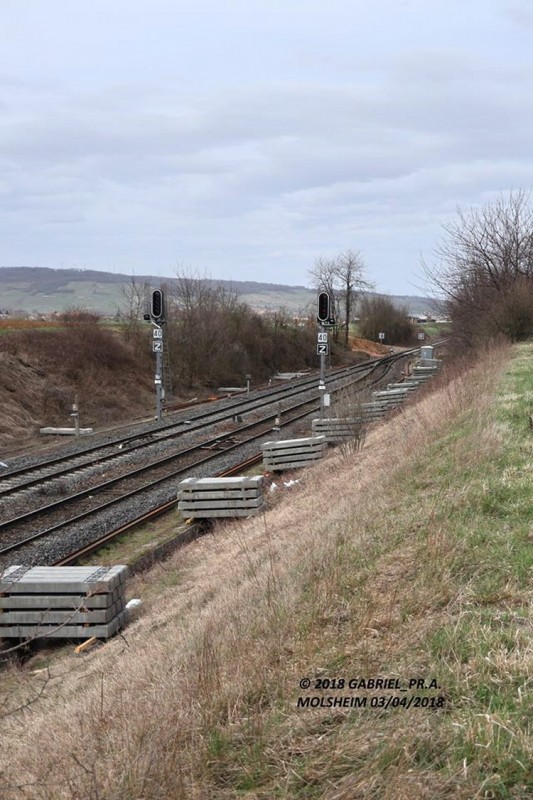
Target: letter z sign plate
322, 349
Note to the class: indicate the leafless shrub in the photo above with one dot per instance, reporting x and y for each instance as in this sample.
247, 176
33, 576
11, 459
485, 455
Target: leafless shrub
379, 314
218, 339
484, 271
348, 406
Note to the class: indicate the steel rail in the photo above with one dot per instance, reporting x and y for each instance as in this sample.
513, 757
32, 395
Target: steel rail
153, 465
148, 486
148, 516
154, 513
154, 439
157, 482
158, 435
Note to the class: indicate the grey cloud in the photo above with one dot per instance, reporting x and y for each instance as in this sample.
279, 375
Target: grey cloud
270, 116
278, 167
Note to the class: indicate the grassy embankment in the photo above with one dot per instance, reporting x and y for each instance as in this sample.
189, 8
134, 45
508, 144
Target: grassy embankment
411, 560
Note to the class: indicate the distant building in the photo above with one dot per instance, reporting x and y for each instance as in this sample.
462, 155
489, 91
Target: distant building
421, 319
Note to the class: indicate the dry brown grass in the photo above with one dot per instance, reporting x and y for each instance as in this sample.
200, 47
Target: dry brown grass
42, 371
367, 346
345, 578
27, 324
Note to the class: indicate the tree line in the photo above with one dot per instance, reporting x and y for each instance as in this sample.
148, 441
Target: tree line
345, 278
483, 274
214, 338
483, 271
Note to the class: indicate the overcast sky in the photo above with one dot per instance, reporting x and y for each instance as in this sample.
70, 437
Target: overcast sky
245, 138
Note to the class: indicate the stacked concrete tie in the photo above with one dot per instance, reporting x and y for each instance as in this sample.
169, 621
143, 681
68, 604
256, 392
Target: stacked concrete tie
207, 498
62, 602
337, 429
293, 453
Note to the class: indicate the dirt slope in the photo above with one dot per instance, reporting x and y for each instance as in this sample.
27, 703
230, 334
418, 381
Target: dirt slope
368, 347
42, 372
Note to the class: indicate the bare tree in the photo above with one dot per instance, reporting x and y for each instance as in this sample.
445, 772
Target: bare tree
136, 295
324, 275
351, 277
343, 277
484, 270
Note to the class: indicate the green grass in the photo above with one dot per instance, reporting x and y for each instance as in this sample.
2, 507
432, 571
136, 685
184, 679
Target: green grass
464, 508
424, 572
132, 544
434, 330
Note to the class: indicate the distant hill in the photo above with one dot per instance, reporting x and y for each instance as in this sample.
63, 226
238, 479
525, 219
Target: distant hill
39, 290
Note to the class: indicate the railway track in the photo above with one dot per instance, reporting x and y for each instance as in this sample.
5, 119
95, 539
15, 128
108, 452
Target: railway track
149, 516
100, 453
119, 450
47, 531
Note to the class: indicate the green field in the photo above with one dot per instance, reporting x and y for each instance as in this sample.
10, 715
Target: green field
42, 291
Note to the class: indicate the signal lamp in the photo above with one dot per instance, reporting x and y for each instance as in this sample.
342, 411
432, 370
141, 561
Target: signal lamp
157, 304
323, 307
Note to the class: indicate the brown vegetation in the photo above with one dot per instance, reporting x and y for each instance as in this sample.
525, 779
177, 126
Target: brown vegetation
216, 339
198, 700
484, 271
213, 340
43, 371
379, 314
360, 345
14, 323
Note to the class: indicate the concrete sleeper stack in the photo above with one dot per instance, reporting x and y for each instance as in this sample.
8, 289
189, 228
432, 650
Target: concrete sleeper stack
62, 602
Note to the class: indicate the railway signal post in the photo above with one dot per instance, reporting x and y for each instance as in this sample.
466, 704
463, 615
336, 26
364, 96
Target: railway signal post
157, 317
324, 318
